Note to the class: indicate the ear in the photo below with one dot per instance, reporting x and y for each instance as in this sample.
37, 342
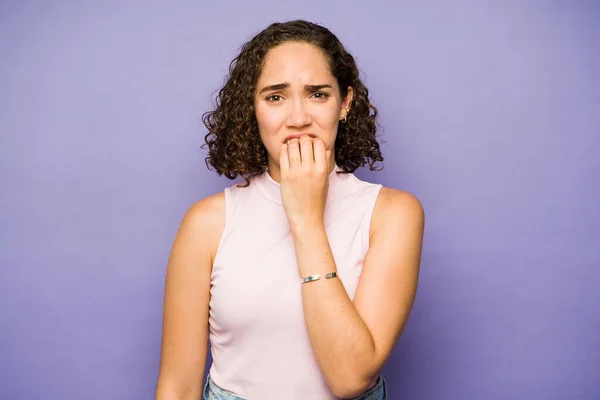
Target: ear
347, 101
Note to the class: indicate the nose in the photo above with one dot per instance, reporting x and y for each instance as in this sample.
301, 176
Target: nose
299, 115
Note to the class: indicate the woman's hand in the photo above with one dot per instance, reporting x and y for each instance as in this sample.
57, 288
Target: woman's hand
304, 165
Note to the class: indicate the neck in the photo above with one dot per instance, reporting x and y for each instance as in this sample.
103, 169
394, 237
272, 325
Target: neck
275, 170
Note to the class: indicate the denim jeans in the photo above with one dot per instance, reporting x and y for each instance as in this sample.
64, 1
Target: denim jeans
214, 392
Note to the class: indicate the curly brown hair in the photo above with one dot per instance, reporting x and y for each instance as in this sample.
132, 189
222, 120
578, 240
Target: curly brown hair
234, 144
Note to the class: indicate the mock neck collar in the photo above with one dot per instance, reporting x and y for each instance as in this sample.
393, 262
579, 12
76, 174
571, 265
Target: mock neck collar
271, 189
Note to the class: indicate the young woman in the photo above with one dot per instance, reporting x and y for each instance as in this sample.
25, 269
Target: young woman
303, 276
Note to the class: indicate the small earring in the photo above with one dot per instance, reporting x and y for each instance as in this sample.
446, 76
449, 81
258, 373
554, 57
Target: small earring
345, 118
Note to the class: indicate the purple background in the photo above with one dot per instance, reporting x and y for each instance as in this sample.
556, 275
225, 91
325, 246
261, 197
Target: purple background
490, 112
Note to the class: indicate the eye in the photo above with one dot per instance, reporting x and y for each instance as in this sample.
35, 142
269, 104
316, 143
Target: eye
273, 98
321, 95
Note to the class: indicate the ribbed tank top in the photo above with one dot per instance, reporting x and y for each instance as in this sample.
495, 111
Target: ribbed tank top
259, 342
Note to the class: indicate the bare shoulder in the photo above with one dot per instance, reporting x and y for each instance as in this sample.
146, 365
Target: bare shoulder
399, 208
207, 211
205, 220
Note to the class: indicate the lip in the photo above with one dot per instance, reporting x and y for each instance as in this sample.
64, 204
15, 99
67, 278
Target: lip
298, 135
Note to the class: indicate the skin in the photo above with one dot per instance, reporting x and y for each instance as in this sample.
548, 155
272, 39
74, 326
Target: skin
351, 339
296, 93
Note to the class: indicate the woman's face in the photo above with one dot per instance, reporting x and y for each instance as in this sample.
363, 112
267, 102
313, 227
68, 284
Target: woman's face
295, 94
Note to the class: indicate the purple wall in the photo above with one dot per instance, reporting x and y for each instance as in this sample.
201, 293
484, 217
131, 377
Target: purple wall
491, 116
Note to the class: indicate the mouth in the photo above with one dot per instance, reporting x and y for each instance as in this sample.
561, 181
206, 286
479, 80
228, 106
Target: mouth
298, 135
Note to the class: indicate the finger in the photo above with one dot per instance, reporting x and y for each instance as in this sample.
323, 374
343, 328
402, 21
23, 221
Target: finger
284, 159
320, 152
306, 148
294, 153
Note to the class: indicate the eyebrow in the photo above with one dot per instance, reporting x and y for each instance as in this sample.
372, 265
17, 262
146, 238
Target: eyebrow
281, 86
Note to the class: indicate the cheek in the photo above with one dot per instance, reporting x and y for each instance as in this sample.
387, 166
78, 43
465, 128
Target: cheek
269, 124
269, 120
327, 115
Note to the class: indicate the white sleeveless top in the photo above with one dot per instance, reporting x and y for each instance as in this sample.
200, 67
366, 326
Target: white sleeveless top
259, 341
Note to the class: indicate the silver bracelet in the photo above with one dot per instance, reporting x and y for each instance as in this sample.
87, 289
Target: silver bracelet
311, 278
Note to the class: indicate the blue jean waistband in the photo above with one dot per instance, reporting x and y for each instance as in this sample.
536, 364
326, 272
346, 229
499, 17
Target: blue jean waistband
214, 392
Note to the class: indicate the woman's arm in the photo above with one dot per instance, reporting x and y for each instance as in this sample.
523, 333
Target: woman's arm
352, 341
186, 298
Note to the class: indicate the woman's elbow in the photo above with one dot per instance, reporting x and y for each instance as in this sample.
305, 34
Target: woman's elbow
172, 391
350, 387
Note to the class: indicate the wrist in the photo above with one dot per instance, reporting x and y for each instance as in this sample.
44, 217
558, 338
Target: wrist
307, 228
313, 252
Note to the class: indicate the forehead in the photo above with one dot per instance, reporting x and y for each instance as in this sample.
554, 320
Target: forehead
296, 62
